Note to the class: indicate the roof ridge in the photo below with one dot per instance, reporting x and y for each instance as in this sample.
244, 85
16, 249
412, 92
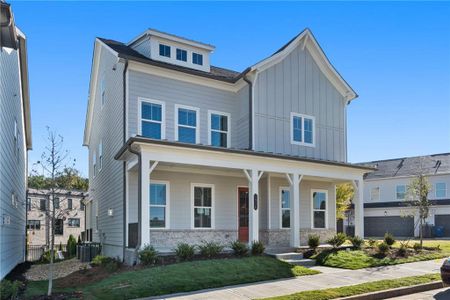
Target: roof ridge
406, 157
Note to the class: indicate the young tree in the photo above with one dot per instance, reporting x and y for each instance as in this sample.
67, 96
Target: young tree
54, 161
418, 191
344, 195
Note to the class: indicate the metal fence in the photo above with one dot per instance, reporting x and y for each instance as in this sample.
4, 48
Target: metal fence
35, 252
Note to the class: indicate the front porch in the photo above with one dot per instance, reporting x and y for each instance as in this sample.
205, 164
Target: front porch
190, 195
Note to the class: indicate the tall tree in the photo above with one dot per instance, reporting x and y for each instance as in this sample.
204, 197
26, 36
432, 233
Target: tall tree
344, 195
418, 191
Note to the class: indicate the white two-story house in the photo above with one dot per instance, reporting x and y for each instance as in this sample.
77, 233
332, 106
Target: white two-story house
386, 207
183, 151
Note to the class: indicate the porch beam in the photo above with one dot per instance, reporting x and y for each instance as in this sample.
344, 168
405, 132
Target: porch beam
247, 175
260, 174
358, 202
294, 180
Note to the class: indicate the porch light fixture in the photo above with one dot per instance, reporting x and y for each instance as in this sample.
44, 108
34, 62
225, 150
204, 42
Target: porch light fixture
110, 212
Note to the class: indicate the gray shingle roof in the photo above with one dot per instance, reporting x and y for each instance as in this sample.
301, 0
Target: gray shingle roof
216, 73
410, 166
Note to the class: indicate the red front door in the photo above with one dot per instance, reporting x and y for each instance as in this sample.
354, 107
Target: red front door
243, 214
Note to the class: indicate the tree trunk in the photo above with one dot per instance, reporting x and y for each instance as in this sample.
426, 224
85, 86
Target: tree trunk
52, 248
421, 232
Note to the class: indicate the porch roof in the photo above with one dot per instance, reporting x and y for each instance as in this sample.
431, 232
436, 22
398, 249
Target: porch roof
140, 139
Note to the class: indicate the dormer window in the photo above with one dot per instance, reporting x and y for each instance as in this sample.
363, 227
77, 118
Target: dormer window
164, 50
181, 55
197, 59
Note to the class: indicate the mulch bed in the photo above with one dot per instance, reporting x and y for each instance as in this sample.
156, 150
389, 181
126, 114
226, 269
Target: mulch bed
60, 296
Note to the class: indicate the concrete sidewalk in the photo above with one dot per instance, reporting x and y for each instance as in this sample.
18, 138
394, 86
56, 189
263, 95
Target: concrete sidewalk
329, 278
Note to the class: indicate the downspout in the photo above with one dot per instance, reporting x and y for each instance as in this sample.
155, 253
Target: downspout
138, 245
250, 112
124, 75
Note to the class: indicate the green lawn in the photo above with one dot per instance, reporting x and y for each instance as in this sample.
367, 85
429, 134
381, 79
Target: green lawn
182, 277
359, 289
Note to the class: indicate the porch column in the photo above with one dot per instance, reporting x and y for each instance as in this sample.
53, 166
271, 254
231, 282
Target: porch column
294, 181
146, 170
253, 177
358, 202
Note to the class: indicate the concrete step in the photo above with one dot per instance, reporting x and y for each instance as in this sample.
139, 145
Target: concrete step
305, 262
288, 255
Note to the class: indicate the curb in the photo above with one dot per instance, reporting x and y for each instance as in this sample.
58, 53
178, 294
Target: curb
397, 291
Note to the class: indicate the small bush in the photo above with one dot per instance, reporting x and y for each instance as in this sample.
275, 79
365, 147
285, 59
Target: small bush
337, 240
239, 248
417, 247
148, 255
185, 251
100, 260
9, 290
45, 258
71, 247
257, 248
389, 239
210, 249
357, 242
371, 243
313, 241
383, 248
402, 250
109, 263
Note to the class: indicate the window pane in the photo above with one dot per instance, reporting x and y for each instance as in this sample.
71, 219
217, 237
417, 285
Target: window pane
218, 139
42, 204
285, 199
187, 117
158, 194
308, 131
59, 227
319, 200
74, 222
151, 111
157, 216
181, 55
202, 217
69, 203
441, 189
219, 122
186, 135
202, 196
151, 130
401, 191
56, 203
197, 59
286, 218
164, 50
297, 128
319, 219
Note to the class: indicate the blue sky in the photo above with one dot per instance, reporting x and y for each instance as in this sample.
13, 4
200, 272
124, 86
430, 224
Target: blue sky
395, 55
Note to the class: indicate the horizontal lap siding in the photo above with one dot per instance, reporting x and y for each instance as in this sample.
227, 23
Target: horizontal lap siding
106, 188
296, 84
13, 164
177, 92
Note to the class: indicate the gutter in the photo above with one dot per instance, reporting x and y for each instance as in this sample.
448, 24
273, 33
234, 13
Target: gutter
250, 111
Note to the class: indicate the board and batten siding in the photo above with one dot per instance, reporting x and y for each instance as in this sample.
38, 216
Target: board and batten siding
296, 84
172, 92
13, 160
106, 187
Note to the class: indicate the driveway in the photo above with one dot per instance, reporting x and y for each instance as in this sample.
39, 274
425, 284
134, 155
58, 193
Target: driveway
329, 278
440, 294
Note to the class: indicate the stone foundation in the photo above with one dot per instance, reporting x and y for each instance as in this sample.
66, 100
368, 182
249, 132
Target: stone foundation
167, 240
282, 237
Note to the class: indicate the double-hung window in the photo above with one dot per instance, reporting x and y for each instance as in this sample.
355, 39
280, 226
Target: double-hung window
56, 203
203, 200
302, 129
43, 204
187, 124
319, 211
181, 54
152, 114
375, 194
164, 50
69, 204
159, 203
197, 59
33, 224
219, 129
285, 203
400, 192
73, 222
441, 190
59, 226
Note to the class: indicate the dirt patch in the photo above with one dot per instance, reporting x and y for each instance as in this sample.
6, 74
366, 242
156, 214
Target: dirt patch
82, 277
59, 296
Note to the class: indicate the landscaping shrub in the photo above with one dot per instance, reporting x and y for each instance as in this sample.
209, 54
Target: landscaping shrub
185, 251
389, 239
337, 240
109, 263
417, 247
313, 241
402, 250
239, 248
148, 255
71, 246
9, 290
210, 249
60, 246
257, 248
357, 242
371, 243
45, 258
383, 248
79, 241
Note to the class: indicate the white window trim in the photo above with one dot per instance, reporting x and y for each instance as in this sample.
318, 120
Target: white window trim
163, 115
396, 196
280, 190
210, 130
197, 123
213, 219
167, 206
100, 156
303, 116
312, 208
170, 50
379, 194
435, 190
181, 49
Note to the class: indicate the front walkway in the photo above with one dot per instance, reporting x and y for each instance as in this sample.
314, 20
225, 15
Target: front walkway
329, 278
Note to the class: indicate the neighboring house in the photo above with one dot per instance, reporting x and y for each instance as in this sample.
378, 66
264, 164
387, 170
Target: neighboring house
386, 189
15, 140
182, 151
69, 220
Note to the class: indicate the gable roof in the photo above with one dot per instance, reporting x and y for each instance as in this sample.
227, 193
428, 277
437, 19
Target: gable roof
433, 164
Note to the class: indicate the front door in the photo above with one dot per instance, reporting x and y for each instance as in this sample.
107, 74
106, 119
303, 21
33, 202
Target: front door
243, 214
